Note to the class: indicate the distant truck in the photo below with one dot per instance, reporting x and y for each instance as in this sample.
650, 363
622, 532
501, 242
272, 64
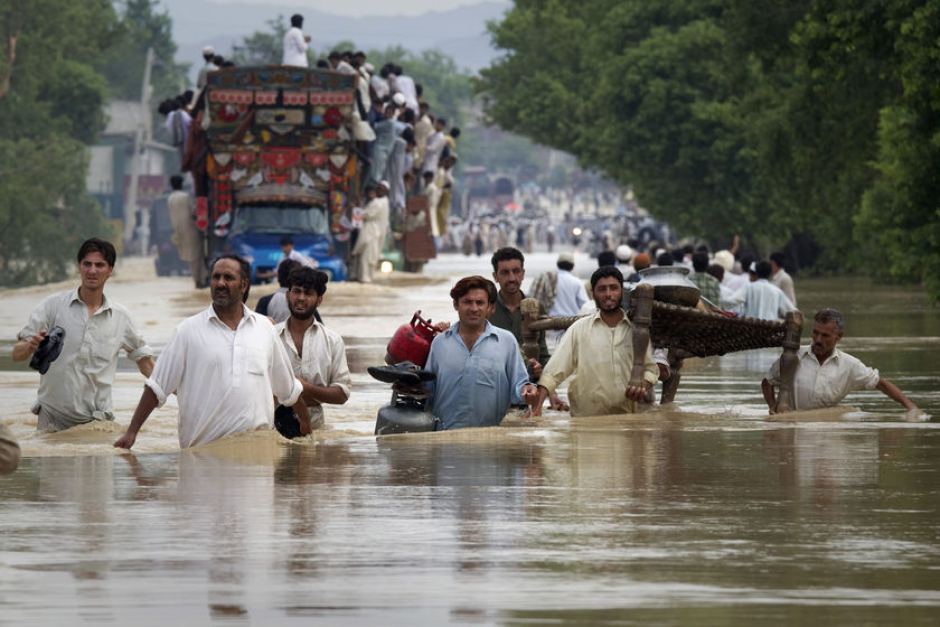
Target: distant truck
272, 155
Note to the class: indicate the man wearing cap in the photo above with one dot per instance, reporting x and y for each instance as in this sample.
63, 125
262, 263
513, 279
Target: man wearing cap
760, 298
371, 241
825, 375
295, 43
317, 354
598, 350
77, 386
732, 281
226, 366
208, 53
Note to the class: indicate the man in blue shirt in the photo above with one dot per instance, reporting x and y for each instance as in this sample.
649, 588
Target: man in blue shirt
479, 367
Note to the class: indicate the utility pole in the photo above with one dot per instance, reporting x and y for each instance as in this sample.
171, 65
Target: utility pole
141, 137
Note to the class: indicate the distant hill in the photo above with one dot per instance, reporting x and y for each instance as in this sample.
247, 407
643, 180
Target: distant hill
459, 32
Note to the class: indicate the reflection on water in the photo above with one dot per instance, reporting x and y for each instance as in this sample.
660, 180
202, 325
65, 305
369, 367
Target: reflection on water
620, 520
705, 512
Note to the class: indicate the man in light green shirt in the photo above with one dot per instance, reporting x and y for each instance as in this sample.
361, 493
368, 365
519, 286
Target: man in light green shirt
598, 350
77, 387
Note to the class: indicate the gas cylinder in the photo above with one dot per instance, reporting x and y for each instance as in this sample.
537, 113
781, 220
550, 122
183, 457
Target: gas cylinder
411, 342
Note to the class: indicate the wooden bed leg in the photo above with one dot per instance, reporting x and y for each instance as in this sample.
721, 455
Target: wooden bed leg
642, 318
530, 338
671, 385
789, 361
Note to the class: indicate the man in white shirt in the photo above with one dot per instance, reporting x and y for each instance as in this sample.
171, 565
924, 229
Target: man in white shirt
761, 299
731, 281
825, 375
188, 239
208, 53
570, 294
225, 364
598, 350
317, 354
295, 43
77, 386
406, 86
434, 147
780, 277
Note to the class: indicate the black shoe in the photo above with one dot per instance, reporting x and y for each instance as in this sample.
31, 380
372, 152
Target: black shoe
48, 350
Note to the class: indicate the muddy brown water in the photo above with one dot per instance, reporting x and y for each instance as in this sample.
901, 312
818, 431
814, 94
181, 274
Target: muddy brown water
702, 513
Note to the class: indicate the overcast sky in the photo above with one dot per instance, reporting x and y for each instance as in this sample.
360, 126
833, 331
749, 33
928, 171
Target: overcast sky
364, 7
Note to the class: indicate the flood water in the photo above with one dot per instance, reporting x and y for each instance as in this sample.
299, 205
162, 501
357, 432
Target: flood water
702, 513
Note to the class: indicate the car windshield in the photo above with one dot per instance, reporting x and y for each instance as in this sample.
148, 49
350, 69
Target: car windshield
276, 219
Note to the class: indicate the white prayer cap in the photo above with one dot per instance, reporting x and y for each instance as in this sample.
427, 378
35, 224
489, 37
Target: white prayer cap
399, 99
725, 259
369, 68
623, 252
384, 184
207, 50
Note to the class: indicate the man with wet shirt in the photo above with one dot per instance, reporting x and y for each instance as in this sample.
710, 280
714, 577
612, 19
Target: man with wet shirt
76, 388
598, 350
317, 354
225, 365
478, 366
825, 375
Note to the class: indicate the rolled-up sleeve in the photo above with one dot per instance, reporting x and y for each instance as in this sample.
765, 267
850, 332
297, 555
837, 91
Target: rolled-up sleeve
133, 342
284, 384
561, 364
167, 374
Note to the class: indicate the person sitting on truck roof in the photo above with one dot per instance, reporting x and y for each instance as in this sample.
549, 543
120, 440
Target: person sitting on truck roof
295, 43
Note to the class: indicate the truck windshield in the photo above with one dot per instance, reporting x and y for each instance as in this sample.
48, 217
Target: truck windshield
276, 219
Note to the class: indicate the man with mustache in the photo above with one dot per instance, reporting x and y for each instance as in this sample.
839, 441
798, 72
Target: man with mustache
478, 366
825, 375
224, 364
598, 349
317, 354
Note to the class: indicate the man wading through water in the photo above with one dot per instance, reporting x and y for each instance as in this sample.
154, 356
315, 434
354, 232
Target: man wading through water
225, 364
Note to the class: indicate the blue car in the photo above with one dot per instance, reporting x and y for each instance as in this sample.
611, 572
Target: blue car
257, 230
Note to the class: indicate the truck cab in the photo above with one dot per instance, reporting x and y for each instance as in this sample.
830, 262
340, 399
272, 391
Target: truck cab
257, 230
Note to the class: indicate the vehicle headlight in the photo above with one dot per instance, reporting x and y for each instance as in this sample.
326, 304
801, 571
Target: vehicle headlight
576, 231
386, 267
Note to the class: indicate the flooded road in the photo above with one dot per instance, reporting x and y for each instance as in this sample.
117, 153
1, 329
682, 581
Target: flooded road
703, 513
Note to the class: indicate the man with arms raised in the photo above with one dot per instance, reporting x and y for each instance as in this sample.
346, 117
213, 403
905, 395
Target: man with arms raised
479, 367
317, 354
509, 272
598, 349
825, 375
77, 387
224, 364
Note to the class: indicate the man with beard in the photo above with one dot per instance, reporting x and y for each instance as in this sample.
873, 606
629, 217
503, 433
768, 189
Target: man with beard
825, 375
598, 349
224, 364
478, 366
317, 354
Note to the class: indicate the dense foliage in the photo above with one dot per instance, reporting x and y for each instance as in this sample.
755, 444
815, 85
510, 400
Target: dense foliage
800, 121
59, 62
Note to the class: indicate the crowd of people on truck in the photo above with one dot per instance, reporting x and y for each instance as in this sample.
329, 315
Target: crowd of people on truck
407, 150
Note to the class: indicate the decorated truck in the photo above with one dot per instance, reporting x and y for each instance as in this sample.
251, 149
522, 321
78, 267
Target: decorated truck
272, 156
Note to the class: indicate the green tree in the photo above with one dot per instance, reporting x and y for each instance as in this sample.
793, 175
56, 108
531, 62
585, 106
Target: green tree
52, 106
